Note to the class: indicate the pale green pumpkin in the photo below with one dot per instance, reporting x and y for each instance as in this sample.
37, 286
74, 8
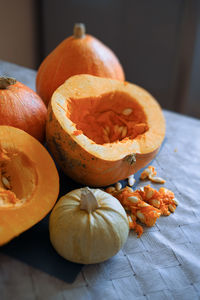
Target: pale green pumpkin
88, 226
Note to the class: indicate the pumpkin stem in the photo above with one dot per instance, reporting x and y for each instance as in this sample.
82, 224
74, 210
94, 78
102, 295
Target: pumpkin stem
6, 81
131, 159
79, 30
88, 201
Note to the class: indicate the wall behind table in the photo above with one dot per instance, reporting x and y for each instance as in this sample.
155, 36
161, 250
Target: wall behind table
19, 36
156, 41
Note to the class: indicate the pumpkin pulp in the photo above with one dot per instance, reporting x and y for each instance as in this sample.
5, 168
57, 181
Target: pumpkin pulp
29, 182
14, 191
108, 118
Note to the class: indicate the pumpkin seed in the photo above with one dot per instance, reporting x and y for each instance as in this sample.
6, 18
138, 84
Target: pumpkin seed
140, 216
107, 129
171, 208
133, 199
118, 186
124, 131
166, 213
155, 203
120, 129
116, 129
150, 171
131, 180
110, 189
145, 174
148, 192
127, 111
141, 189
142, 204
129, 189
129, 219
5, 182
175, 201
156, 179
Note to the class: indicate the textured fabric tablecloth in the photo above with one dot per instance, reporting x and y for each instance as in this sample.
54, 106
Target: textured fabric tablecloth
163, 264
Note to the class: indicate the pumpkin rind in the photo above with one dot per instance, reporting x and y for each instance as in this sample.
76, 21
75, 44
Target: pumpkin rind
86, 161
22, 108
86, 55
88, 237
38, 191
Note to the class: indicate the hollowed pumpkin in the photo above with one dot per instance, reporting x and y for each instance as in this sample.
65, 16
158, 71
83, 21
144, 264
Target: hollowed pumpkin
78, 54
102, 130
29, 182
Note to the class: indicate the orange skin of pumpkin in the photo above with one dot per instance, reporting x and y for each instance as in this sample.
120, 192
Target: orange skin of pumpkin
41, 188
77, 161
74, 56
21, 107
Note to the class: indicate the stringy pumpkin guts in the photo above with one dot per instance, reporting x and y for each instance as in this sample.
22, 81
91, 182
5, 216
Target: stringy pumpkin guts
145, 204
110, 123
13, 191
150, 173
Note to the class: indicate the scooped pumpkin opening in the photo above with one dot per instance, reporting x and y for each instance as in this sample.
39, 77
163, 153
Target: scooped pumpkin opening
108, 118
18, 178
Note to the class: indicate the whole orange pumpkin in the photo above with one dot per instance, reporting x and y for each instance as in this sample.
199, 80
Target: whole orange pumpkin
21, 107
78, 54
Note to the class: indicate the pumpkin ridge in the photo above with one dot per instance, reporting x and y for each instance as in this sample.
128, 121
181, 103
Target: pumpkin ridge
111, 226
111, 209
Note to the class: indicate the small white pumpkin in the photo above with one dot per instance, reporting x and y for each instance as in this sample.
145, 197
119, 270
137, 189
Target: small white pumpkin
88, 226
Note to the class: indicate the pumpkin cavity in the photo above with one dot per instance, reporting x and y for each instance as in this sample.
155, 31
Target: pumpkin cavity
108, 118
14, 190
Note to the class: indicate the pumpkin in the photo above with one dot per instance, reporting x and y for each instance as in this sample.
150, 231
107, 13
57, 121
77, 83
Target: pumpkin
88, 226
21, 107
101, 130
29, 182
78, 54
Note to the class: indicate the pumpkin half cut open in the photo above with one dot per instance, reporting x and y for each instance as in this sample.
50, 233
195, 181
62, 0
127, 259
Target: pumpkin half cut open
29, 182
102, 130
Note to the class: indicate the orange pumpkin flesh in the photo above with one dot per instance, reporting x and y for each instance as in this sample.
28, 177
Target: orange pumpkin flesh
78, 54
21, 107
29, 182
83, 109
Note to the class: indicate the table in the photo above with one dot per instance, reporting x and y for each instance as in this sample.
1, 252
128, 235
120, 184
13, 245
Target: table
163, 264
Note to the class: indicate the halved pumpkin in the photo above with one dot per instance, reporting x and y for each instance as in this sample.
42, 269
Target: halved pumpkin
29, 182
101, 130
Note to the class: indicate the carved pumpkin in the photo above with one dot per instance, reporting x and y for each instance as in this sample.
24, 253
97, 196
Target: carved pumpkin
78, 54
29, 182
21, 107
88, 226
101, 130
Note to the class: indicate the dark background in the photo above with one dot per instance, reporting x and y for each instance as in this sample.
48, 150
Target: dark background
157, 41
